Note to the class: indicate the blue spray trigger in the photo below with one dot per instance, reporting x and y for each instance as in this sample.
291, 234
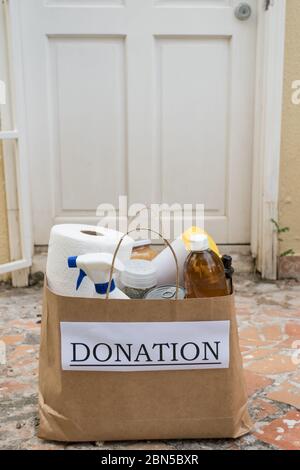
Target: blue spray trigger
81, 276
72, 263
102, 288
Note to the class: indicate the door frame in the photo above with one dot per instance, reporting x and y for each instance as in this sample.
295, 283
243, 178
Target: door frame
267, 133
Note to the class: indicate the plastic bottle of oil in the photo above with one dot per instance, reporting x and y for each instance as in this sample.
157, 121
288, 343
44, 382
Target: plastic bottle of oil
204, 274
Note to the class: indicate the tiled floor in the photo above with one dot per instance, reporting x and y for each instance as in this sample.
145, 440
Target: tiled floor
269, 322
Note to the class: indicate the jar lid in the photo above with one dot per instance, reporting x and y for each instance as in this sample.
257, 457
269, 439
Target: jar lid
139, 274
165, 293
138, 243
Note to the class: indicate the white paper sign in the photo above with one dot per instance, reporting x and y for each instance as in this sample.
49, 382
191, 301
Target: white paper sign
127, 347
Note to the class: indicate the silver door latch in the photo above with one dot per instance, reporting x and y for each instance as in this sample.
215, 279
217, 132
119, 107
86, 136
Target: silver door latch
243, 11
268, 4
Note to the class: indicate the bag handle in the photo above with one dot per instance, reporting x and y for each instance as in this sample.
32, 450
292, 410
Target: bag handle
167, 243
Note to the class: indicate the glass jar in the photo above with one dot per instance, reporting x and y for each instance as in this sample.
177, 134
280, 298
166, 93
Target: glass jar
138, 277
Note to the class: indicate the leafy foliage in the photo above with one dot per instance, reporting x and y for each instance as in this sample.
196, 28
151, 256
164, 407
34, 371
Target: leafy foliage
279, 231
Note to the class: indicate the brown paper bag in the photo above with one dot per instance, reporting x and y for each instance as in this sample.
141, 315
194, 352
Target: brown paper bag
116, 405
201, 397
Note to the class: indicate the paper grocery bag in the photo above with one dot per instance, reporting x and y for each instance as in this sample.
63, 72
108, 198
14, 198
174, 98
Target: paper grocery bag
95, 386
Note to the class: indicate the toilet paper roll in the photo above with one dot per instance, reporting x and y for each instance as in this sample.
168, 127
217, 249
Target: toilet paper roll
165, 264
74, 240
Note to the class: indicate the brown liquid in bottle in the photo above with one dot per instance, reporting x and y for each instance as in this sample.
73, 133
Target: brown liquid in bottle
204, 275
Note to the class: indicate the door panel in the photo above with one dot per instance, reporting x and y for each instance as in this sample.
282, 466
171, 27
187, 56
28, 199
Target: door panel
190, 93
89, 130
190, 3
148, 98
85, 3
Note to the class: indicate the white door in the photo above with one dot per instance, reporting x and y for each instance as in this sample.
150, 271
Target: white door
149, 98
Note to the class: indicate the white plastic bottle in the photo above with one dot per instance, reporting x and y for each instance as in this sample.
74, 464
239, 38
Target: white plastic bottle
97, 266
164, 261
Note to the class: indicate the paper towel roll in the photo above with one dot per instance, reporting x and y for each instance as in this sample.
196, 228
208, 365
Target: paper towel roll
165, 264
73, 240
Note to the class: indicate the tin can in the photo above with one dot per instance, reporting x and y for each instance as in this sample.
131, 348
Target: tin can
165, 293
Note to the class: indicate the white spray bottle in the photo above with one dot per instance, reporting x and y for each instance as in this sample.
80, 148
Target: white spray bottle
97, 267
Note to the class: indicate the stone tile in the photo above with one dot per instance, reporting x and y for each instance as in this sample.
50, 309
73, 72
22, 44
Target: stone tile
12, 339
249, 334
262, 409
289, 267
22, 430
32, 337
295, 377
21, 351
288, 393
272, 365
287, 313
272, 333
245, 349
268, 317
255, 382
283, 433
86, 446
245, 343
37, 444
242, 310
293, 329
13, 387
24, 324
288, 343
146, 446
258, 354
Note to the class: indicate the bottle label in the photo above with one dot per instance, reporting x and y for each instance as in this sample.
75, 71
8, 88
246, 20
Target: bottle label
92, 346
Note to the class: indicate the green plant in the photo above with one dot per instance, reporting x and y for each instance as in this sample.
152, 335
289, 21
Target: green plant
279, 231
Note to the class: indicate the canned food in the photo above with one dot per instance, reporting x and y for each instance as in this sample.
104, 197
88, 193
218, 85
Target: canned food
165, 293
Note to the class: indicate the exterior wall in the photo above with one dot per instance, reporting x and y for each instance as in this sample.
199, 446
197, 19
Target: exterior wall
289, 199
4, 244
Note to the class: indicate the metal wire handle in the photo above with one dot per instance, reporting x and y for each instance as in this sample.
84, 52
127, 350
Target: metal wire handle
167, 243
